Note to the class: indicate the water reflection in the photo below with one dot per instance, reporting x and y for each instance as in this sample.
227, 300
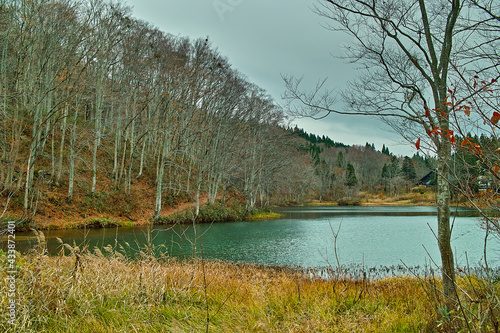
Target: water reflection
315, 212
369, 237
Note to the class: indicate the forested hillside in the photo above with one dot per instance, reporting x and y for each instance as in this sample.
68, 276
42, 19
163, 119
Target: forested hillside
341, 171
105, 115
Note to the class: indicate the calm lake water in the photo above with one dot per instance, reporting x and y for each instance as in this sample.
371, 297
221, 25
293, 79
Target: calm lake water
371, 236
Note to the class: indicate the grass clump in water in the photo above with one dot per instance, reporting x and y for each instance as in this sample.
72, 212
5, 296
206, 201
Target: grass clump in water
209, 213
262, 214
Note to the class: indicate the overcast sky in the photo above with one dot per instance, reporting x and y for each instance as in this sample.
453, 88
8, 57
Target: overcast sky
264, 39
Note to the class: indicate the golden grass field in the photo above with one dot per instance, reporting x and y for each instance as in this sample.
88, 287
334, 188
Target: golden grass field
99, 294
92, 291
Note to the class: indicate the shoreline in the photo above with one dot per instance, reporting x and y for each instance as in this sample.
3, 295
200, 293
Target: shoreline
102, 222
99, 222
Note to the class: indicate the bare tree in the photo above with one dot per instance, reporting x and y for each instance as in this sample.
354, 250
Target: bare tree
44, 54
88, 93
475, 98
405, 49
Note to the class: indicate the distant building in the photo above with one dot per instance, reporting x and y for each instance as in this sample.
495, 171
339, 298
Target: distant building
428, 180
484, 183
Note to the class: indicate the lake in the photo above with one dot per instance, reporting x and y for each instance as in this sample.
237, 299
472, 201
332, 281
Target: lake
369, 236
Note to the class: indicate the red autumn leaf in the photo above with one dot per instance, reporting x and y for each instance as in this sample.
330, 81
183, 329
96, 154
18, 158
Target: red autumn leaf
417, 144
495, 118
464, 143
493, 80
427, 113
443, 114
446, 102
467, 110
453, 140
476, 77
495, 169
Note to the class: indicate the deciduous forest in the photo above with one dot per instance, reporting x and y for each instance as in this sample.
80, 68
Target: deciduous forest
105, 115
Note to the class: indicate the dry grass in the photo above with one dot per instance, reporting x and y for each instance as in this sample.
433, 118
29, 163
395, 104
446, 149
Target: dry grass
409, 199
95, 292
263, 216
104, 291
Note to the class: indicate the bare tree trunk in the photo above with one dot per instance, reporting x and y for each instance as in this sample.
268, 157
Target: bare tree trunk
159, 185
141, 166
29, 180
444, 231
122, 164
52, 153
97, 127
198, 191
159, 174
116, 150
128, 178
97, 141
215, 188
59, 168
72, 156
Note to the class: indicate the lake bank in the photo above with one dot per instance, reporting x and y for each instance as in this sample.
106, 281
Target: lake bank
183, 212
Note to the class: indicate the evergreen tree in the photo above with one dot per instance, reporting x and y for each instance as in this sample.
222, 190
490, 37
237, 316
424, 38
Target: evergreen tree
351, 179
385, 171
340, 160
408, 169
315, 151
394, 166
385, 150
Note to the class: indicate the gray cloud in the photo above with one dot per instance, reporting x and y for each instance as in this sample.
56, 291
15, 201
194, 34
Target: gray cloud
264, 39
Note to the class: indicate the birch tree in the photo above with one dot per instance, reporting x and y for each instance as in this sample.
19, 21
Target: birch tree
173, 113
44, 52
110, 25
